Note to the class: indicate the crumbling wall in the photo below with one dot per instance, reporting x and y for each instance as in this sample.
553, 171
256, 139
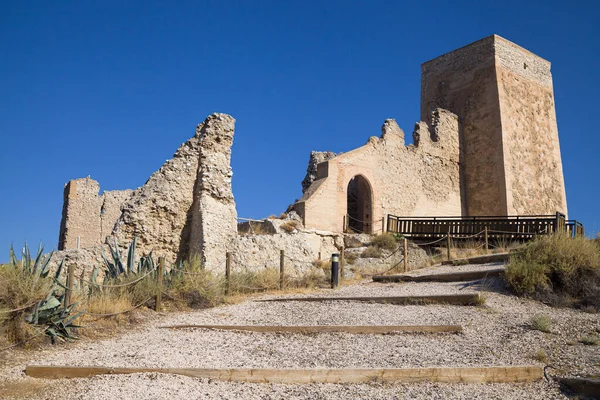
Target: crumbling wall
214, 217
316, 157
404, 180
168, 214
88, 215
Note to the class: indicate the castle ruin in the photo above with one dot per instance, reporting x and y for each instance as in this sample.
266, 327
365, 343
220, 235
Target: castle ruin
487, 144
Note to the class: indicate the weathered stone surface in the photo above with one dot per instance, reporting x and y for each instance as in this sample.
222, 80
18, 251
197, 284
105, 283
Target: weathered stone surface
316, 157
214, 217
393, 179
357, 240
301, 250
188, 199
87, 215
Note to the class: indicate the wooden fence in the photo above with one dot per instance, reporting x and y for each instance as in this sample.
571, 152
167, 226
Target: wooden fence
520, 227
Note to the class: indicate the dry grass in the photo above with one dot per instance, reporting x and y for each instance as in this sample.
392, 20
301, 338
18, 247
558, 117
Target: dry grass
590, 340
540, 322
19, 289
290, 226
541, 356
350, 258
372, 252
558, 269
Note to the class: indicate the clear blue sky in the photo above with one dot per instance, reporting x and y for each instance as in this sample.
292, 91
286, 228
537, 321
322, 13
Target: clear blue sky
110, 89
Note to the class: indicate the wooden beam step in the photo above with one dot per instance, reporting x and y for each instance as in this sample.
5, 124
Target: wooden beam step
500, 374
457, 299
460, 276
365, 329
489, 258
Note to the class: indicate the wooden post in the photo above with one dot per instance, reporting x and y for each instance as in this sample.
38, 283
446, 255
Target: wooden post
159, 279
486, 239
70, 282
319, 256
281, 268
382, 225
405, 255
227, 271
342, 263
344, 228
448, 244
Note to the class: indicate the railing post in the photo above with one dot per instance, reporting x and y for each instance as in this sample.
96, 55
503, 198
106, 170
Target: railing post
70, 284
159, 281
382, 225
405, 255
345, 225
486, 239
281, 268
448, 245
335, 259
227, 271
342, 262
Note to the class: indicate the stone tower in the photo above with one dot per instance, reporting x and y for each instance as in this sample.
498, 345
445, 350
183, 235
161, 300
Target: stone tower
504, 99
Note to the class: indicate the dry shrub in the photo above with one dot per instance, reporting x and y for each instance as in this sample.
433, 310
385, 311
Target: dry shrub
197, 287
350, 258
322, 264
372, 252
310, 279
290, 226
540, 322
385, 241
557, 269
248, 281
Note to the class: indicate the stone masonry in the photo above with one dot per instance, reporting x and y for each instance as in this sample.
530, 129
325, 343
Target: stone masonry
487, 144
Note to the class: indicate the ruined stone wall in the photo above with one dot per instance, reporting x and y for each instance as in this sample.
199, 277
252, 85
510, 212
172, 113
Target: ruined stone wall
404, 180
214, 217
87, 214
168, 214
532, 161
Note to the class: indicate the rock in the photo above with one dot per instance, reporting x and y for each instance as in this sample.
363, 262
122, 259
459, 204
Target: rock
357, 240
316, 157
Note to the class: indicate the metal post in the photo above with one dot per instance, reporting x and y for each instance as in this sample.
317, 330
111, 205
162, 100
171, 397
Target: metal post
335, 264
281, 268
227, 271
342, 263
405, 255
159, 280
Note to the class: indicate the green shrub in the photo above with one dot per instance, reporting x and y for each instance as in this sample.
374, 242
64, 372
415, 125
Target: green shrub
589, 340
385, 241
557, 267
540, 322
372, 252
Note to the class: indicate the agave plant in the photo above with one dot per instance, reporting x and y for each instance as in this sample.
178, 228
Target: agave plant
50, 313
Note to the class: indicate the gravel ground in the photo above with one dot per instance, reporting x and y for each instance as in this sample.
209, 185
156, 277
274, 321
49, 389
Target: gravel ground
495, 334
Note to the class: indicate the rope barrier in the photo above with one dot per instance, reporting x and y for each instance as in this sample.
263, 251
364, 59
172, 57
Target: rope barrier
19, 309
119, 285
40, 333
120, 312
435, 241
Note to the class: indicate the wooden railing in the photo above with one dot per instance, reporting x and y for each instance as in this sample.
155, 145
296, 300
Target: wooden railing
518, 227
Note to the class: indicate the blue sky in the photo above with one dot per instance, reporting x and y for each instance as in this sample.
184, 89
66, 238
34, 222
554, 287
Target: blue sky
111, 88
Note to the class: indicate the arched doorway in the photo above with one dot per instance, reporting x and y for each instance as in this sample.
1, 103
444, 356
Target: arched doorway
359, 212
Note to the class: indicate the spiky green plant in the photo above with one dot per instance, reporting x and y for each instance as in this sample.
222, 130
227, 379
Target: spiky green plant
49, 313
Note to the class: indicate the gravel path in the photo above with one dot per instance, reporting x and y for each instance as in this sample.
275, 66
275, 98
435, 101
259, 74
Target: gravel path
496, 334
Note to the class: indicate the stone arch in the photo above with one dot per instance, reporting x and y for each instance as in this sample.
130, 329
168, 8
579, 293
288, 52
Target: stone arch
359, 205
